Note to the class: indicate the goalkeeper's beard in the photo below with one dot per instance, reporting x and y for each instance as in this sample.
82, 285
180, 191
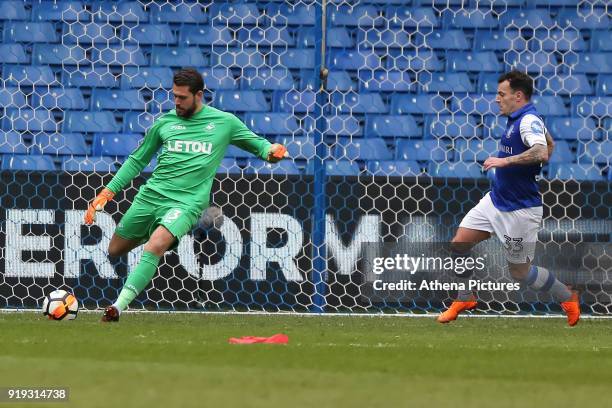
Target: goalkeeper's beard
186, 112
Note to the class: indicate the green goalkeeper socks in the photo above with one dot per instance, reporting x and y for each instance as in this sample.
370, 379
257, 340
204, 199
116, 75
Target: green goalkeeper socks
137, 280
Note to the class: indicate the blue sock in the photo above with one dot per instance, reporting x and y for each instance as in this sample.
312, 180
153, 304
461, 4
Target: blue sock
541, 279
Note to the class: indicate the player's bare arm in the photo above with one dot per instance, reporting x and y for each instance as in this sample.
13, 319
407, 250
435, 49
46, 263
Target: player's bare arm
535, 155
550, 144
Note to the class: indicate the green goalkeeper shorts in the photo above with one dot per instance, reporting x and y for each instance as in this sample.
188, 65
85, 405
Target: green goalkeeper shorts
144, 216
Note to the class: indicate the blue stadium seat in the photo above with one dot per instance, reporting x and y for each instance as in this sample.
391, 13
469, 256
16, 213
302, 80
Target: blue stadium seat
306, 37
485, 61
336, 168
12, 98
58, 11
478, 104
229, 166
604, 84
595, 152
549, 105
448, 82
599, 107
114, 144
272, 123
59, 144
579, 172
89, 164
137, 122
451, 126
411, 17
274, 79
336, 80
218, 78
58, 54
423, 150
88, 33
557, 40
162, 100
30, 120
59, 98
263, 37
87, 77
526, 19
532, 62
361, 149
300, 148
494, 126
487, 82
414, 61
395, 126
471, 150
601, 41
569, 128
29, 162
284, 167
115, 12
240, 14
28, 75
338, 37
12, 142
385, 80
471, 19
393, 168
192, 13
549, 3
499, 40
593, 63
343, 125
118, 55
177, 57
149, 77
576, 84
353, 16
369, 102
240, 58
241, 101
29, 32
205, 35
383, 38
294, 101
584, 19
353, 60
562, 153
447, 40
76, 122
13, 54
237, 153
297, 14
147, 34
420, 104
13, 10
297, 59
117, 99
455, 170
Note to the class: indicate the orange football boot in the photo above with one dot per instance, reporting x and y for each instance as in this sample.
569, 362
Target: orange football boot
455, 308
572, 309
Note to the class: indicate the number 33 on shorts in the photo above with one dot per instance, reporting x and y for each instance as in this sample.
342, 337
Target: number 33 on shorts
172, 215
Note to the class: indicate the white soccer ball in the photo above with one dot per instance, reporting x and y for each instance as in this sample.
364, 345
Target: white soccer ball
60, 305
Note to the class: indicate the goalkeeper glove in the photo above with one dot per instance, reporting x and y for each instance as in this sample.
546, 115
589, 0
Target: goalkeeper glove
277, 152
98, 205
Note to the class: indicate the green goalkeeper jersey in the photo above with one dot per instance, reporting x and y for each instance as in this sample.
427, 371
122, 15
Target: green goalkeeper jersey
191, 151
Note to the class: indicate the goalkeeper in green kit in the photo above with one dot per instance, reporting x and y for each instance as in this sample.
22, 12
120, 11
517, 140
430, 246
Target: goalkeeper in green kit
193, 138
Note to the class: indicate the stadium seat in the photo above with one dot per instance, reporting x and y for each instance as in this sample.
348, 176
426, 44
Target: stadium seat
137, 122
353, 16
115, 12
396, 126
59, 98
177, 57
471, 150
549, 3
239, 14
284, 167
240, 58
336, 168
13, 10
557, 40
595, 152
526, 19
217, 78
87, 77
264, 37
369, 102
600, 40
562, 153
237, 153
87, 33
351, 60
58, 54
478, 104
241, 101
361, 149
28, 75
484, 61
579, 172
29, 120
383, 38
297, 59
471, 19
423, 150
343, 125
499, 40
12, 98
414, 60
549, 105
11, 142
147, 34
418, 104
77, 122
229, 166
147, 77
296, 14
599, 107
188, 13
162, 100
301, 147
336, 80
89, 164
568, 128
593, 63
119, 55
13, 54
205, 35
306, 37
448, 82
447, 40
29, 162
455, 170
532, 62
338, 37
393, 168
273, 79
604, 85
451, 126
59, 144
584, 19
272, 123
385, 80
411, 17
487, 82
494, 126
58, 11
114, 99
294, 101
576, 84
115, 144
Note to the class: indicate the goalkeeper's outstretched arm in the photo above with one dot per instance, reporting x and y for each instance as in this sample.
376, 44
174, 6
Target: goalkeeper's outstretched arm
245, 139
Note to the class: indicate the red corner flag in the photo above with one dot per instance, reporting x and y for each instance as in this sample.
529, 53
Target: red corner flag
276, 339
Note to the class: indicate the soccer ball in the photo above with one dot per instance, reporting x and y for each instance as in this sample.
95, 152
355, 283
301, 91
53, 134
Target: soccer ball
60, 305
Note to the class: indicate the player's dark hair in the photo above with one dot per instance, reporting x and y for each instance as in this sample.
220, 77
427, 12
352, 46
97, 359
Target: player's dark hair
519, 81
189, 77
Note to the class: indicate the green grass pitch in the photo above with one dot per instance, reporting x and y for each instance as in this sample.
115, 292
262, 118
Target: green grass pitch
184, 360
